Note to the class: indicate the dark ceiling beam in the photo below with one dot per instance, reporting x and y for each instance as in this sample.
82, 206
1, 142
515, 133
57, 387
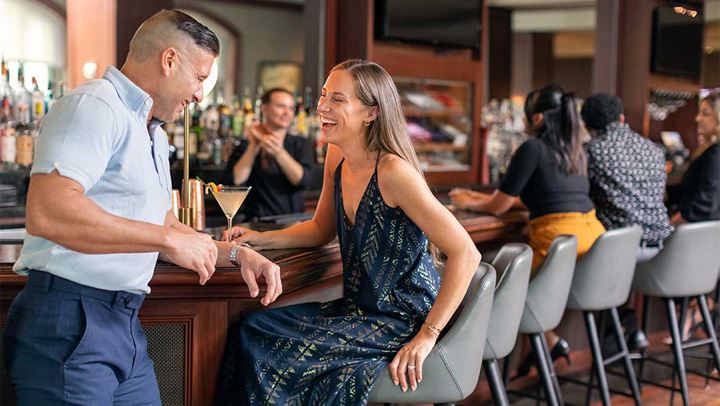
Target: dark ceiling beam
264, 3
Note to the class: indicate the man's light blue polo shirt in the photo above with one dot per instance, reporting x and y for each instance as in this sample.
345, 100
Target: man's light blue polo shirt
98, 136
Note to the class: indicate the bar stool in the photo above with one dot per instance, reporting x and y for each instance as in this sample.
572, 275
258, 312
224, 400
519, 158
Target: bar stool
452, 369
544, 307
602, 281
514, 261
686, 267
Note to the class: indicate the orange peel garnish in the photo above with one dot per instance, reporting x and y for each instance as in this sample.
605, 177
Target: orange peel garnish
211, 186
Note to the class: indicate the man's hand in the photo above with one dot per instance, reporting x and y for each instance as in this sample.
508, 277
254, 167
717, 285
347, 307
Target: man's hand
194, 251
254, 265
271, 144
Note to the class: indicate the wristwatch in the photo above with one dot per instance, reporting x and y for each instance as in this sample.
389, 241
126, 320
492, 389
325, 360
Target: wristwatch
234, 251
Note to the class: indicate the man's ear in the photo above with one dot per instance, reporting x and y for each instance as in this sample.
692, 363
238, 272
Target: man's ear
169, 61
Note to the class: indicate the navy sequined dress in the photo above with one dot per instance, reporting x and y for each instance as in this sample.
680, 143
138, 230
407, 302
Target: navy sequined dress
332, 353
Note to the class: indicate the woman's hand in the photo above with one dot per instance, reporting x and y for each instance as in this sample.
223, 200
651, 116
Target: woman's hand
406, 367
242, 234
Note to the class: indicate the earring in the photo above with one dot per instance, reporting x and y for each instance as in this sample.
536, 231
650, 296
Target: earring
367, 123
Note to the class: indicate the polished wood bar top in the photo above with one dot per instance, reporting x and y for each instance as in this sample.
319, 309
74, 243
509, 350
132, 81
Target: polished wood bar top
299, 267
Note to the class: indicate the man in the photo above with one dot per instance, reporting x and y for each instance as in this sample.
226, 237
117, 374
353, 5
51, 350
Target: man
275, 163
98, 214
627, 174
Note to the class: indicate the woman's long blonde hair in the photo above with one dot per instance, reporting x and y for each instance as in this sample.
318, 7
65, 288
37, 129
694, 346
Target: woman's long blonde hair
375, 88
714, 101
388, 132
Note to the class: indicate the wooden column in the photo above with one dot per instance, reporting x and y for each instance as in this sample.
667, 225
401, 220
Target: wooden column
542, 57
607, 36
501, 48
314, 64
632, 85
90, 37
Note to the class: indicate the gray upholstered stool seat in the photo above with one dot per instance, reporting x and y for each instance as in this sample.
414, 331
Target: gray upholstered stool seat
452, 369
602, 281
513, 264
686, 267
544, 307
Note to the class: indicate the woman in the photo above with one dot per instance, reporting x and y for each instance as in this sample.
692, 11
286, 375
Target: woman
375, 200
700, 187
549, 174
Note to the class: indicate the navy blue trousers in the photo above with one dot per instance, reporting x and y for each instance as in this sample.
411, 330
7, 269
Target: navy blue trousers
70, 344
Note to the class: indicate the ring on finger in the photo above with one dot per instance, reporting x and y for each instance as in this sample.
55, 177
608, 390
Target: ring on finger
411, 367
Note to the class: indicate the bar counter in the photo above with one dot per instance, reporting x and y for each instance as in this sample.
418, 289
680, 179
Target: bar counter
187, 324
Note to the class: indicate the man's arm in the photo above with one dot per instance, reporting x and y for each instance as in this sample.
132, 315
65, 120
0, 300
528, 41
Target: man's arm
58, 210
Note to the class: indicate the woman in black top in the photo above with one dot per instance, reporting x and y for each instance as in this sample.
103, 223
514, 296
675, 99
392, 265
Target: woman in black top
549, 174
700, 187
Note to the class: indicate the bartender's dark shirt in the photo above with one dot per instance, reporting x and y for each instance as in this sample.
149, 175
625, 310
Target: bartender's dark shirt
700, 200
272, 193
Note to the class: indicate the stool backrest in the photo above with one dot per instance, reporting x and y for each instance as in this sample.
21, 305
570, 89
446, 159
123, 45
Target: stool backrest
603, 276
452, 369
688, 265
549, 288
513, 264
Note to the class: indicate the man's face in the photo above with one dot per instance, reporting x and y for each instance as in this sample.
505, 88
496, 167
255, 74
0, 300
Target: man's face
279, 111
183, 83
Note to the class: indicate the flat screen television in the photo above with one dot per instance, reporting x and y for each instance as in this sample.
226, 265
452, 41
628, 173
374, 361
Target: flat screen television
443, 24
677, 39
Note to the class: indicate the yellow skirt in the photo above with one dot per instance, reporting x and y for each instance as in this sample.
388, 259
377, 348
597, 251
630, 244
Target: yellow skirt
543, 230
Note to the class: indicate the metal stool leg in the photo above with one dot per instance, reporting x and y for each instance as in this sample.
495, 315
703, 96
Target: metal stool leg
543, 368
551, 368
496, 383
627, 362
677, 349
710, 330
597, 357
643, 352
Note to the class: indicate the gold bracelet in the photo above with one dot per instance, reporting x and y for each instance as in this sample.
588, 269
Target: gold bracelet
432, 328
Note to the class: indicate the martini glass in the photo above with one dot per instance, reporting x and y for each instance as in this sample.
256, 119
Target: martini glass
230, 198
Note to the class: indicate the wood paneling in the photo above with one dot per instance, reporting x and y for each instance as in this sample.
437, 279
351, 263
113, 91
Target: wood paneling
500, 53
90, 37
542, 59
132, 14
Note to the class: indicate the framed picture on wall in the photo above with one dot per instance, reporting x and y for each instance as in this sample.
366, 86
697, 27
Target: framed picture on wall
280, 74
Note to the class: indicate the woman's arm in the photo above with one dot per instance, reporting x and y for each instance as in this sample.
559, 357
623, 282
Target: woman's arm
402, 186
496, 204
317, 231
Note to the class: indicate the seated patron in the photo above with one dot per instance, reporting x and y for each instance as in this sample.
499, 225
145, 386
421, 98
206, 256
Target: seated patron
627, 174
700, 187
549, 174
376, 202
275, 163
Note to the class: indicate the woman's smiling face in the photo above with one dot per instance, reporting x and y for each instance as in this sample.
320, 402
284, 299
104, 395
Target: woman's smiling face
341, 112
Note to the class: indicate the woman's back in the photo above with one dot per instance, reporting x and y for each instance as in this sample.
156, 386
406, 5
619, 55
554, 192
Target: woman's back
544, 188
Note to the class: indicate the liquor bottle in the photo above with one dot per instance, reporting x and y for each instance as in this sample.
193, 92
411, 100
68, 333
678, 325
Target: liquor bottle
23, 100
7, 147
258, 103
7, 98
38, 102
24, 148
248, 111
238, 116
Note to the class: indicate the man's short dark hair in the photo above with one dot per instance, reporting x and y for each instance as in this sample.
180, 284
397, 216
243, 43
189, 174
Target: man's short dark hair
267, 96
601, 110
201, 35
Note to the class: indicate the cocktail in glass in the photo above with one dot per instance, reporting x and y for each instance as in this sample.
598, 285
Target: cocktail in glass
230, 198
